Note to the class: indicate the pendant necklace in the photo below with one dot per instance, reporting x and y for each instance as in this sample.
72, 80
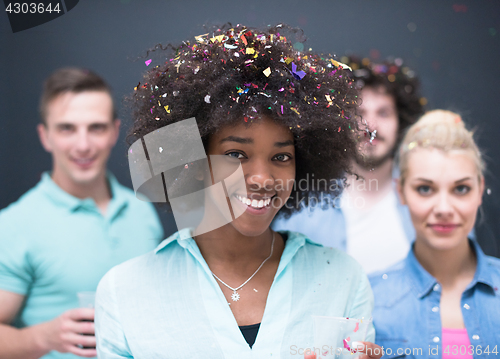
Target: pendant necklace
235, 296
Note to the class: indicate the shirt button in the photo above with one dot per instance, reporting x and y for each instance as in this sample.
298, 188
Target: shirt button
435, 339
435, 309
384, 276
475, 337
466, 306
436, 287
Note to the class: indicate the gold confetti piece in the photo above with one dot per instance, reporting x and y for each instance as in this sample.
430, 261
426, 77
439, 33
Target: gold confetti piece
329, 100
250, 50
344, 66
295, 110
218, 38
288, 60
272, 37
166, 109
200, 38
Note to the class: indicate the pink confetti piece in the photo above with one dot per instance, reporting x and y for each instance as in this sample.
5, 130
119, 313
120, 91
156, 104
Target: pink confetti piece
357, 327
148, 62
346, 345
282, 109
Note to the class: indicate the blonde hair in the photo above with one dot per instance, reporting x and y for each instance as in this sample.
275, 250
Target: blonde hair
443, 130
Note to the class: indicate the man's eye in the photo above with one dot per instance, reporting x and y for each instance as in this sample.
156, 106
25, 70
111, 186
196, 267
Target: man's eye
384, 114
282, 157
98, 128
424, 190
65, 128
462, 189
235, 155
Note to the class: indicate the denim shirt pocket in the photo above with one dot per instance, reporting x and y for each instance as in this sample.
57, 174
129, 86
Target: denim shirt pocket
393, 348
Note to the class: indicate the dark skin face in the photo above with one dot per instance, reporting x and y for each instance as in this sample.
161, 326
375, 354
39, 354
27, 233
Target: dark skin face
267, 155
234, 251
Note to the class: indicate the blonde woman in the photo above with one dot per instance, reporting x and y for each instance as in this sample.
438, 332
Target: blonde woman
442, 301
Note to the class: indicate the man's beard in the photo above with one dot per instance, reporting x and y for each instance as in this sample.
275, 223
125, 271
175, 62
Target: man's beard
368, 161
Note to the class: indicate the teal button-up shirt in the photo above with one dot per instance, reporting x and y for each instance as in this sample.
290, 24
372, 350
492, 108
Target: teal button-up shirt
53, 245
167, 304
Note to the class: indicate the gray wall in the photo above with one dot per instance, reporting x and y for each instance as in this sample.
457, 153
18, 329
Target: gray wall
454, 49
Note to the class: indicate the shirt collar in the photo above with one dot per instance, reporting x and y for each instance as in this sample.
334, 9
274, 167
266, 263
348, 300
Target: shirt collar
62, 198
483, 272
184, 238
424, 282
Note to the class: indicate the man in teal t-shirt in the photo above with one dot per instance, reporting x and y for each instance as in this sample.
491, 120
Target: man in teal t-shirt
63, 235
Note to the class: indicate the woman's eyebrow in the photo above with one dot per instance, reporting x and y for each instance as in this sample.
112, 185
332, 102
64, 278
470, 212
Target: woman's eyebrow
283, 144
424, 180
241, 140
463, 179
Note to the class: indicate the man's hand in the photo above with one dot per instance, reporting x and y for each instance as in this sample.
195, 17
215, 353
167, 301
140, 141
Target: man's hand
64, 334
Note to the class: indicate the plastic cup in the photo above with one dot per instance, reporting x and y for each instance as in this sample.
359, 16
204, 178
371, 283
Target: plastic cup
333, 336
86, 299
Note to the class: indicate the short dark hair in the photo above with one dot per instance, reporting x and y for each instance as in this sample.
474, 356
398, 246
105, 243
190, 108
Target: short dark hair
399, 81
234, 74
70, 79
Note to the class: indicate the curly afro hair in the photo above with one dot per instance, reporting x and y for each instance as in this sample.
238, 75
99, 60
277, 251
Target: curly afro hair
399, 81
236, 74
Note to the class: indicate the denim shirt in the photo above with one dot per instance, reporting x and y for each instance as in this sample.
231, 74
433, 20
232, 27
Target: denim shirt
407, 309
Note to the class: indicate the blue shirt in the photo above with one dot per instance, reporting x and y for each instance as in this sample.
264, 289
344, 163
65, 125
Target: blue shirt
53, 245
407, 309
327, 226
167, 304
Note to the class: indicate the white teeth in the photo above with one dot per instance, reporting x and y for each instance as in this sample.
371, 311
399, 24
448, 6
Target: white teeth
254, 203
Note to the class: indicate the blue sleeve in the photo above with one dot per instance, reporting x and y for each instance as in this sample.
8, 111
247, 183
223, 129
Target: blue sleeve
15, 270
158, 227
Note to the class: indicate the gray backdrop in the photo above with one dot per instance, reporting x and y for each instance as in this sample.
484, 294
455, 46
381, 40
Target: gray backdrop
453, 46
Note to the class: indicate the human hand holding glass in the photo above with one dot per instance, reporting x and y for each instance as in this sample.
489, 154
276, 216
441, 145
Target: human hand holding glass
337, 337
87, 300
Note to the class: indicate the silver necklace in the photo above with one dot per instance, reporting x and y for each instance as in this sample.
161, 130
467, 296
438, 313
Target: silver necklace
235, 296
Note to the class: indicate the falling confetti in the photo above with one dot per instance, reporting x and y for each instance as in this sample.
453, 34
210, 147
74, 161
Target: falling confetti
267, 72
207, 98
357, 327
299, 75
148, 62
160, 149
